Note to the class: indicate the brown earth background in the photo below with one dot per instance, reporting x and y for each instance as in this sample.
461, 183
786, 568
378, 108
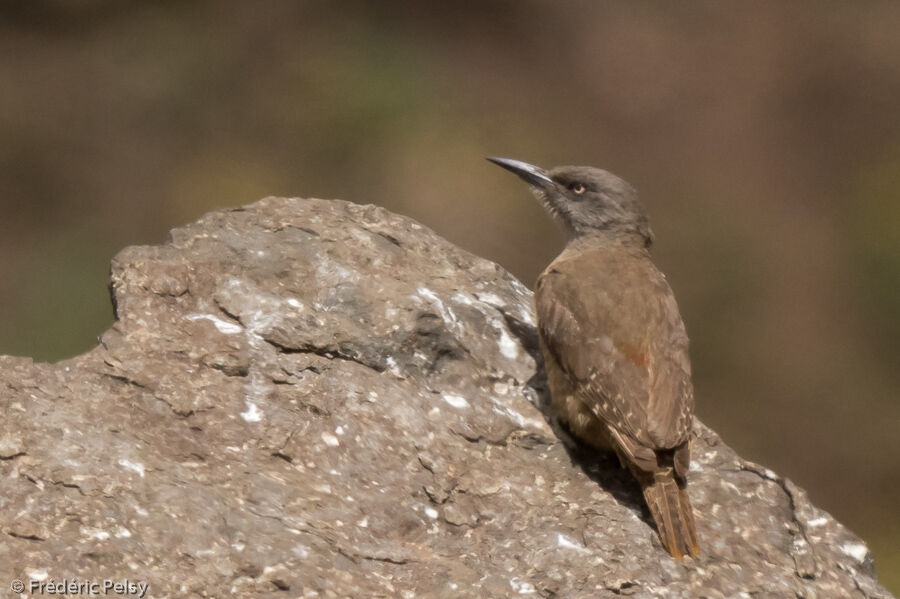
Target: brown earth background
764, 138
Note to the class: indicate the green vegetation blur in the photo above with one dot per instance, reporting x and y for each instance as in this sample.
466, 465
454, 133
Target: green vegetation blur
764, 138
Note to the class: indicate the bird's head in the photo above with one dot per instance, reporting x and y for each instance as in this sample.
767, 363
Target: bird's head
586, 200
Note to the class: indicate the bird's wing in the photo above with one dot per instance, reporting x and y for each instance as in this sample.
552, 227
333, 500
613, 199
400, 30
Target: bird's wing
612, 325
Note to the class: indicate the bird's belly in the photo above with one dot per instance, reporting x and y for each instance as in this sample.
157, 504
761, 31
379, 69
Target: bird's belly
571, 411
581, 421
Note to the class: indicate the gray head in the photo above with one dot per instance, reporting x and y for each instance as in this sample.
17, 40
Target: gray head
586, 200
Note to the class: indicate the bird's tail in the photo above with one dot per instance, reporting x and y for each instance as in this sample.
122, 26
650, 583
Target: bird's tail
671, 510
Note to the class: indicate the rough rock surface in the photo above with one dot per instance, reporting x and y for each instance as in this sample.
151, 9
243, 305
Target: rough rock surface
308, 398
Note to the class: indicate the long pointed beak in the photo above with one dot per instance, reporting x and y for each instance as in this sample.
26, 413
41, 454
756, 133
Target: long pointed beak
533, 175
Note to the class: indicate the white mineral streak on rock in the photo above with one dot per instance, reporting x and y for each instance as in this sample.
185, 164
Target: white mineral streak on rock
446, 312
252, 413
508, 346
133, 466
569, 543
522, 587
94, 533
456, 401
857, 551
817, 522
228, 328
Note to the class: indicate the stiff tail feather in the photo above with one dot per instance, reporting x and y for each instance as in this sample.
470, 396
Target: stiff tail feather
671, 510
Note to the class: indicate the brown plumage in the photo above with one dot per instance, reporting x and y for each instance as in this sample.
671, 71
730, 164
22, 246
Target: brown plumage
614, 344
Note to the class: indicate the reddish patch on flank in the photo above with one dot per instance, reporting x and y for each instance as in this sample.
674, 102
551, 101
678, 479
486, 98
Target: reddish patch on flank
635, 355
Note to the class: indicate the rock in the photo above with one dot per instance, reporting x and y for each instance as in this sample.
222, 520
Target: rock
309, 398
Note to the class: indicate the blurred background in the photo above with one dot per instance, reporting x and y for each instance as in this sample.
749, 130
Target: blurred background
764, 138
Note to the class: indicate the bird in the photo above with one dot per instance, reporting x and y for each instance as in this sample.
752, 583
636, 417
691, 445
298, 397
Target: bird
614, 344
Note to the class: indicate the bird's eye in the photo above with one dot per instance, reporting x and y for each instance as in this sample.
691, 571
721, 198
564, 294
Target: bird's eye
577, 188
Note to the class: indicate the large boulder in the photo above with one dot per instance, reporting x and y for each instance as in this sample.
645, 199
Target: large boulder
308, 398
